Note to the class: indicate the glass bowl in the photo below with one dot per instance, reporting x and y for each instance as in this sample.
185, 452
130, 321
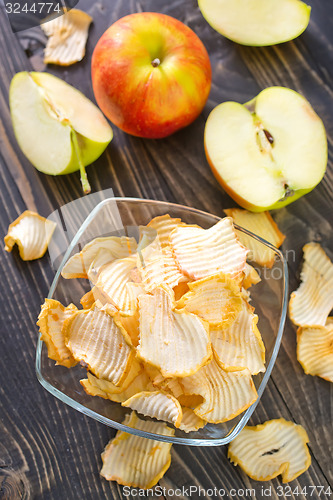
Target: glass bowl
118, 216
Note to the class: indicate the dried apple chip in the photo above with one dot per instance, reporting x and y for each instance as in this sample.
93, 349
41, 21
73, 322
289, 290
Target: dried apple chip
97, 340
239, 345
276, 447
67, 40
251, 276
200, 253
216, 299
157, 404
32, 233
225, 394
262, 225
50, 322
164, 225
190, 421
78, 265
158, 268
115, 282
105, 389
131, 325
175, 342
312, 302
135, 461
315, 349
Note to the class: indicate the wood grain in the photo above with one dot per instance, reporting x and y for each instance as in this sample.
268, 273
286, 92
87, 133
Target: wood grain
49, 451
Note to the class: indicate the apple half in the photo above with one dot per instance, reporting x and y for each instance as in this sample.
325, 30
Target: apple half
58, 129
268, 152
257, 22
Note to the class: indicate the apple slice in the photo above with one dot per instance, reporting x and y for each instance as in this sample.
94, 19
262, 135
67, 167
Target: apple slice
268, 152
57, 127
257, 22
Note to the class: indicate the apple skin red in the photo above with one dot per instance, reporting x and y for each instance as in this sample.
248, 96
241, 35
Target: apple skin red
147, 101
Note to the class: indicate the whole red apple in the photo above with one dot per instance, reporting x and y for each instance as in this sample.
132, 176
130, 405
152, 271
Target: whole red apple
151, 74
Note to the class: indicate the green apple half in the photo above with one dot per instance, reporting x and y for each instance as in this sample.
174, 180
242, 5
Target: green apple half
257, 22
58, 129
267, 152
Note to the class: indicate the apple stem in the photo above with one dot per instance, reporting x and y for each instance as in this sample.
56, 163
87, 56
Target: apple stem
155, 62
84, 179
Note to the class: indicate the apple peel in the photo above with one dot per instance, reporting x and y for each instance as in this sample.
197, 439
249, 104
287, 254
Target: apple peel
263, 225
67, 37
135, 461
312, 302
32, 233
267, 450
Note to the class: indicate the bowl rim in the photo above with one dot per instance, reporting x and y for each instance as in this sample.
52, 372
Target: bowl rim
159, 437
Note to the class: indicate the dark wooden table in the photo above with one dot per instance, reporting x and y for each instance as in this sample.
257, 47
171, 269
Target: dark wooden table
50, 451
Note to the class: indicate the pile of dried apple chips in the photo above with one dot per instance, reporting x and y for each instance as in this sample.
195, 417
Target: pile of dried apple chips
167, 330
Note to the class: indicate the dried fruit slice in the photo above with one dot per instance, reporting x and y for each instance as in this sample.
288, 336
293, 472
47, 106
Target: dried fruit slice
115, 282
68, 35
158, 405
315, 349
103, 257
163, 226
267, 450
262, 225
89, 299
190, 400
216, 299
190, 421
225, 394
105, 389
180, 290
158, 268
50, 321
312, 302
176, 342
239, 345
204, 252
78, 265
97, 340
135, 461
251, 276
131, 325
32, 233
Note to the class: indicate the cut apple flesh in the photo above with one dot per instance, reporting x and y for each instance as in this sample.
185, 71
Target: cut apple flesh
257, 22
269, 151
58, 128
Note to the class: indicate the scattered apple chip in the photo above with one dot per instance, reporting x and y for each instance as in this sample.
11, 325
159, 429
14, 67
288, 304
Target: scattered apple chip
239, 345
201, 252
115, 282
312, 302
315, 349
78, 265
135, 461
225, 394
131, 325
50, 322
105, 389
262, 225
67, 37
157, 404
216, 299
103, 257
32, 233
270, 449
176, 342
97, 340
190, 421
163, 226
159, 268
89, 299
180, 290
251, 276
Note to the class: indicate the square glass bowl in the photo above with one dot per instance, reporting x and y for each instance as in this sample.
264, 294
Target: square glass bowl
119, 216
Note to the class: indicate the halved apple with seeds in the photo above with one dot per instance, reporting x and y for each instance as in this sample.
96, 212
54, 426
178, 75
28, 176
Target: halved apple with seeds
58, 129
267, 152
257, 22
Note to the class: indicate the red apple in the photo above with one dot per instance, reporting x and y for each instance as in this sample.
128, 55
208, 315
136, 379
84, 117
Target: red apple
151, 74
